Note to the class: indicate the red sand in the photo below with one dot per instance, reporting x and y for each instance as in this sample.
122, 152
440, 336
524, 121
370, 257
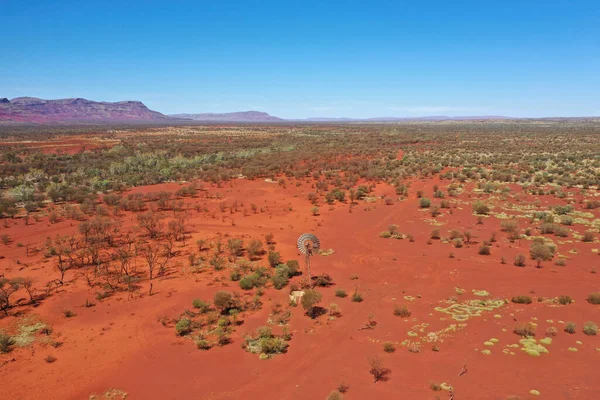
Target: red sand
119, 343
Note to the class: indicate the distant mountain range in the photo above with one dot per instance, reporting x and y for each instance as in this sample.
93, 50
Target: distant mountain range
241, 116
394, 119
33, 110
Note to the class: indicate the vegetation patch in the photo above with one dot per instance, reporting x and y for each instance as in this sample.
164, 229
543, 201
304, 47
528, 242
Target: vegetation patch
110, 394
463, 311
266, 344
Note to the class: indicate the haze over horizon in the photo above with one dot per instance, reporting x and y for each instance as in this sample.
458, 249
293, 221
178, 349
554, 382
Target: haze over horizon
302, 60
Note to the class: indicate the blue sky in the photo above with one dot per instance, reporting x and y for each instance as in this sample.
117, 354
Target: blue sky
298, 59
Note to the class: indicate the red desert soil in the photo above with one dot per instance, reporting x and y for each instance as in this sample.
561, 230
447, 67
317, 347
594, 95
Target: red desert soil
61, 145
119, 342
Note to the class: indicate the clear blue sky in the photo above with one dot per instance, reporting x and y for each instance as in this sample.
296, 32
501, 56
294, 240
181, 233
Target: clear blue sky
298, 59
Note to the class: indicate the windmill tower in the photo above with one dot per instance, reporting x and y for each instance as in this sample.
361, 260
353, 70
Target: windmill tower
308, 244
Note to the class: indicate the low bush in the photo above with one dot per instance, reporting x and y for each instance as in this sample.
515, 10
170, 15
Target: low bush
570, 327
389, 347
201, 305
335, 395
594, 298
551, 331
590, 328
357, 297
479, 207
484, 250
203, 344
525, 329
279, 281
564, 300
424, 202
588, 237
6, 342
402, 311
274, 259
309, 301
521, 300
520, 260
341, 293
183, 327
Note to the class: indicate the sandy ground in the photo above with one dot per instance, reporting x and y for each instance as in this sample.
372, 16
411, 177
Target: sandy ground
119, 343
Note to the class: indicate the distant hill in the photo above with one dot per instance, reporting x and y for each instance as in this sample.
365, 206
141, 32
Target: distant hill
241, 116
33, 110
399, 119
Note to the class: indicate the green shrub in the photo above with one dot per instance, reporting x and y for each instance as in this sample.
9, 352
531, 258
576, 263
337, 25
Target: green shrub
294, 267
235, 274
284, 270
247, 282
424, 202
309, 301
341, 293
566, 221
274, 259
590, 328
562, 210
183, 326
201, 305
479, 207
279, 281
224, 301
203, 344
265, 343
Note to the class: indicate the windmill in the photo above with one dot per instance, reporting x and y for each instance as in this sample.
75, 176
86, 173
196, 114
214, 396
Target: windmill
307, 245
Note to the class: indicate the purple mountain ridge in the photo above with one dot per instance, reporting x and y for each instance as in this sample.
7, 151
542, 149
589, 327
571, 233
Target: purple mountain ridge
34, 110
241, 116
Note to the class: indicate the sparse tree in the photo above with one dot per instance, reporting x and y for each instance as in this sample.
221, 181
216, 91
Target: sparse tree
151, 222
7, 288
540, 252
379, 372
